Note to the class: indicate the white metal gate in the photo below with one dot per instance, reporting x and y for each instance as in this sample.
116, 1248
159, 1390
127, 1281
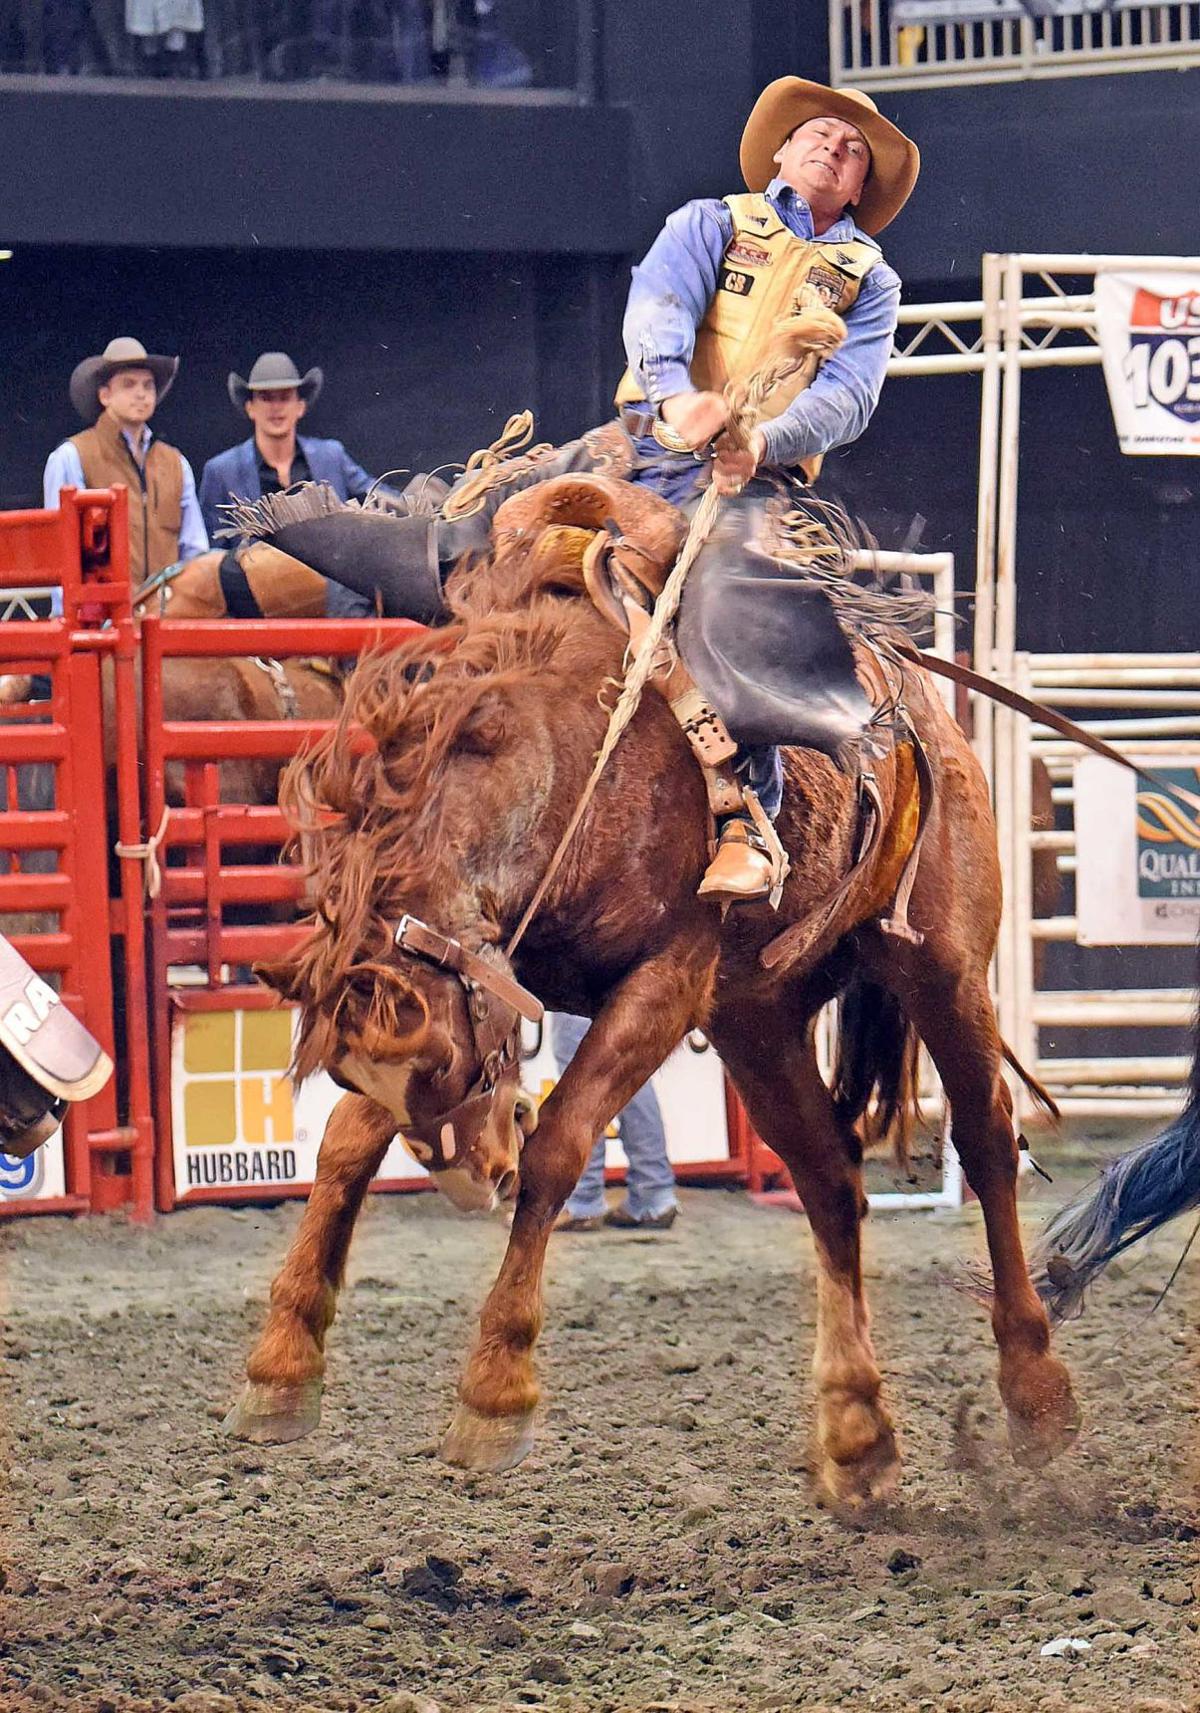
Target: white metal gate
1031, 315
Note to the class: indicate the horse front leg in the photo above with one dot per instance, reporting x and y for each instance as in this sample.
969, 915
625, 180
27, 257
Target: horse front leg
282, 1397
642, 1019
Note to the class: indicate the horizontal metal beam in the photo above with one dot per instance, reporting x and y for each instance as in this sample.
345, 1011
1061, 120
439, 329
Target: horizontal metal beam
1129, 1008
1151, 1107
1159, 1070
1040, 663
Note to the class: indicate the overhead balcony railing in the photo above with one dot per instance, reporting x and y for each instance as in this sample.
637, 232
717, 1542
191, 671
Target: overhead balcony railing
909, 44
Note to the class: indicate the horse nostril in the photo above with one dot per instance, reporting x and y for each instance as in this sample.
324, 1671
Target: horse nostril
506, 1189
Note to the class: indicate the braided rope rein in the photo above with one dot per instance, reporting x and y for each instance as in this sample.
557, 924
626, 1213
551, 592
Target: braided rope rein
798, 340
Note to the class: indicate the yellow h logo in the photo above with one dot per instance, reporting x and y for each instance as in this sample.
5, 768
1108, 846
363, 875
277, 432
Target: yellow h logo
263, 1099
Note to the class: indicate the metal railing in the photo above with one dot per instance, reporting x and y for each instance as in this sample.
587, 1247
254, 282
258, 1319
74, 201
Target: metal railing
905, 44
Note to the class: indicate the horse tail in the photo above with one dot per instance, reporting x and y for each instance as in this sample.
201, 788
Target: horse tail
1042, 1096
877, 1050
1136, 1194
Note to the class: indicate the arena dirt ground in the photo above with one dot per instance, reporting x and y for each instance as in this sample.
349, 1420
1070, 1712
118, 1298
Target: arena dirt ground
660, 1549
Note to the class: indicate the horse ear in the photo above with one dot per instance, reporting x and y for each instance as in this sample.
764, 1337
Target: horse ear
283, 976
485, 727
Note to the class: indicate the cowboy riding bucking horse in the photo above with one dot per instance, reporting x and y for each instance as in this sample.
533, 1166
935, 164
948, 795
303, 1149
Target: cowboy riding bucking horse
500, 821
767, 661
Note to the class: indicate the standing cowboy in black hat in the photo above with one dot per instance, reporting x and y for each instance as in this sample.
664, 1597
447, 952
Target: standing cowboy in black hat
276, 397
117, 393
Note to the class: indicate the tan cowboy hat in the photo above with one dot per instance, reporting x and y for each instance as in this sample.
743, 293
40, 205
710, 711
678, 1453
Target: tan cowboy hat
122, 353
790, 101
274, 369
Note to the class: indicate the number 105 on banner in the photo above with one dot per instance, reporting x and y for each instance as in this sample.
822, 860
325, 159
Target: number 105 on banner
1149, 331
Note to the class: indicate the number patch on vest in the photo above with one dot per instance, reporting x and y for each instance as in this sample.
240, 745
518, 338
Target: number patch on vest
741, 285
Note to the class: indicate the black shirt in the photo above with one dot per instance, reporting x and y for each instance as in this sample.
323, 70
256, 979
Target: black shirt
267, 477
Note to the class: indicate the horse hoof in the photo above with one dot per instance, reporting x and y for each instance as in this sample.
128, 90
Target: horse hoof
860, 1486
490, 1443
859, 1464
274, 1415
1049, 1421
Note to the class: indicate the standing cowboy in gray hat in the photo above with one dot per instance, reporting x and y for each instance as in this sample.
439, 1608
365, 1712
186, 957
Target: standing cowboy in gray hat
275, 397
117, 393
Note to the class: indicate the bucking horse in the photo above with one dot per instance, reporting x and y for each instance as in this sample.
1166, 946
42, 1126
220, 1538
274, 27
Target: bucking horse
430, 816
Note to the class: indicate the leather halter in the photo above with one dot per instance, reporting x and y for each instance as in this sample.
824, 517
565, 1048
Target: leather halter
495, 1004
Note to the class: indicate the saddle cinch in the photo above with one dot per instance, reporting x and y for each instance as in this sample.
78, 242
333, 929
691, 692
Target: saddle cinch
769, 646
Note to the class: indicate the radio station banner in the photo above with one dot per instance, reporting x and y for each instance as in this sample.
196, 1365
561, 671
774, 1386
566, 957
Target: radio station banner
39, 1178
240, 1125
1149, 328
1138, 854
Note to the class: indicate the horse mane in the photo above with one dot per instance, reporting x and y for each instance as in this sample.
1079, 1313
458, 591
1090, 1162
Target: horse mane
367, 801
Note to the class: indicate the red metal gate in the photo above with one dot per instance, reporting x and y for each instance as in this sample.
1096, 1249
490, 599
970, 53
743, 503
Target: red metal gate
199, 960
83, 550
157, 910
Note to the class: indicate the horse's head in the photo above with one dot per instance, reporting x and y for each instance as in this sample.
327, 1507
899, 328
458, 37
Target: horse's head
431, 1033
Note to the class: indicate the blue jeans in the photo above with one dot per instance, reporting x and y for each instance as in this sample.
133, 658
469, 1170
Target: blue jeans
650, 1186
762, 770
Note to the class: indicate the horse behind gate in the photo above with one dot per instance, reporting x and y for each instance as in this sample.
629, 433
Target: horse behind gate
478, 742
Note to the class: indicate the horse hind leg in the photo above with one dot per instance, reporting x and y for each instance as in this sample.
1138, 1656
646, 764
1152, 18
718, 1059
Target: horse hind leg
281, 1400
954, 1016
857, 1462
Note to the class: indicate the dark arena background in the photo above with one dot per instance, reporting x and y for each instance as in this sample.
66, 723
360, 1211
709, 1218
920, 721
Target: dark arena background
438, 202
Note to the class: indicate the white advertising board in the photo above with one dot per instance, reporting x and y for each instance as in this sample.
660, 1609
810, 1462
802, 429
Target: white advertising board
1149, 328
1138, 854
239, 1125
39, 1178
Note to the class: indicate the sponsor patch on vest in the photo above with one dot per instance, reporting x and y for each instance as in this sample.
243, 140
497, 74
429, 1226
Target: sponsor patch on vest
741, 285
827, 285
748, 253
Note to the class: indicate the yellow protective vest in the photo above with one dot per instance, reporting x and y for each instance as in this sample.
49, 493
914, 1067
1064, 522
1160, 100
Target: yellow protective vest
762, 270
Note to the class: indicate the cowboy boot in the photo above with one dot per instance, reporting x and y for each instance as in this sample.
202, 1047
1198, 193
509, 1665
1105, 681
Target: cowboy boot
742, 870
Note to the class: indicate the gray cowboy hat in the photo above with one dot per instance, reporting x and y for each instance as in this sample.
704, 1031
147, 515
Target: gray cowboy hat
274, 369
123, 353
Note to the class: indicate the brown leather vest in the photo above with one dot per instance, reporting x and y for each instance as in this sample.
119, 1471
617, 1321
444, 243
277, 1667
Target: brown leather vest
155, 492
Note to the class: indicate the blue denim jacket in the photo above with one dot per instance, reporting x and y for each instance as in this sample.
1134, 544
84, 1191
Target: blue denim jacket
670, 293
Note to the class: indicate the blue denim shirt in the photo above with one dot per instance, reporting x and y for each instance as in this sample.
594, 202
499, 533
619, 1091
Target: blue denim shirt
670, 293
